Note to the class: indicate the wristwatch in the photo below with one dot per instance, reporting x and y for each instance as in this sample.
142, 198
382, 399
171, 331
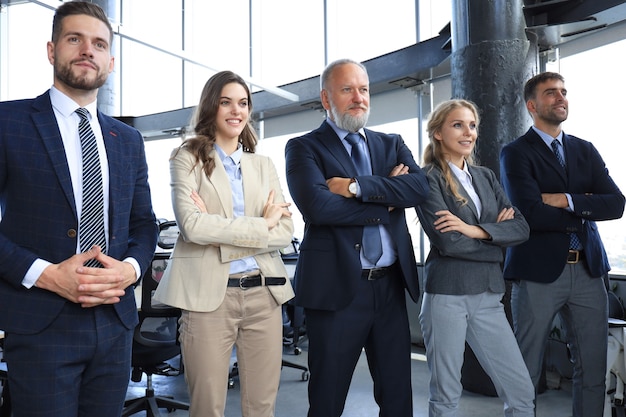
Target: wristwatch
352, 186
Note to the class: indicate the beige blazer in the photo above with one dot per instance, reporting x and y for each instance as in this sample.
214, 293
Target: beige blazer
196, 275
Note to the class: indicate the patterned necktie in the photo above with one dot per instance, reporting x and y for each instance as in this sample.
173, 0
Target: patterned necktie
574, 242
372, 244
91, 226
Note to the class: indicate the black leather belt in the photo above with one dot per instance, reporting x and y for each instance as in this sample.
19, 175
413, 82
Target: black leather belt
377, 273
575, 256
255, 281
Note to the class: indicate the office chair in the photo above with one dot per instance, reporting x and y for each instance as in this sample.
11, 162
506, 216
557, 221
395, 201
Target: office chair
616, 364
156, 336
5, 400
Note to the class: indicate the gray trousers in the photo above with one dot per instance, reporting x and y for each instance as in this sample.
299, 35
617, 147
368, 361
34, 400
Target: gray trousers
447, 322
581, 302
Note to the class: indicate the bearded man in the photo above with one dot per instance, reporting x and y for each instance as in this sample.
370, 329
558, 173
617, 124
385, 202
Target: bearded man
352, 185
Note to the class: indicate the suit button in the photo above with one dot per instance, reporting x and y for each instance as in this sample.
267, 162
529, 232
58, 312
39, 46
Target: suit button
357, 247
72, 233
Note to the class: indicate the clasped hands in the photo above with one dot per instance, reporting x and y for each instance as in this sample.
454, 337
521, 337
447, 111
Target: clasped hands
88, 286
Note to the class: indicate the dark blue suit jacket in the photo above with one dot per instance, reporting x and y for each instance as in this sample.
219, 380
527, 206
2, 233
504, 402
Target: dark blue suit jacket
529, 168
39, 215
329, 267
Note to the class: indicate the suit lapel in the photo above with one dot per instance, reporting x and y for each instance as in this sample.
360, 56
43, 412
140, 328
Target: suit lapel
539, 146
327, 136
221, 183
46, 123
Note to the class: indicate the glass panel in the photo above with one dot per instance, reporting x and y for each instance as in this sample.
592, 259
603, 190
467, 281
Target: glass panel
158, 154
26, 69
288, 40
156, 22
364, 30
151, 80
434, 16
217, 34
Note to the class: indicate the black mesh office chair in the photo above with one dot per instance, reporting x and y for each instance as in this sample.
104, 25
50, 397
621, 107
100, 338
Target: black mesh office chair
5, 400
155, 340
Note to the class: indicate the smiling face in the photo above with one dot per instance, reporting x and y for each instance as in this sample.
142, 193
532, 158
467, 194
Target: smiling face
457, 135
549, 106
346, 97
81, 56
232, 113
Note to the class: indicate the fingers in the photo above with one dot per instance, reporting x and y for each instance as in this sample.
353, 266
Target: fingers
197, 200
400, 169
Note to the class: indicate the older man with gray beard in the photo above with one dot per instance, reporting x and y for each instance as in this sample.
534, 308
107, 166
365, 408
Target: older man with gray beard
352, 185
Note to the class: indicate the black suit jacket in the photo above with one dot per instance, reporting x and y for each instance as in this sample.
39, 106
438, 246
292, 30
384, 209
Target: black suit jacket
529, 168
39, 215
329, 267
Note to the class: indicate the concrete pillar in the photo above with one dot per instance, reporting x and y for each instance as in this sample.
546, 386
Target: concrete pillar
108, 95
491, 59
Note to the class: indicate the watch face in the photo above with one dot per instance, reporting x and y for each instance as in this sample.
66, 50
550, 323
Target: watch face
352, 188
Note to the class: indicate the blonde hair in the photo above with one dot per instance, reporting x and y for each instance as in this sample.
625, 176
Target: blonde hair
434, 154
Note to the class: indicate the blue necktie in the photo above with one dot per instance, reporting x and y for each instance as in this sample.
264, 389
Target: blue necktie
91, 226
372, 244
574, 242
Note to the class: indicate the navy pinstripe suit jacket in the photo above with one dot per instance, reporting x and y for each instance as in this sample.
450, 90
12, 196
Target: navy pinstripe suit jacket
39, 215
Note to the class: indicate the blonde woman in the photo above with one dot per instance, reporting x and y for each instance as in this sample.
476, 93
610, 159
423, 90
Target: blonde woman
468, 220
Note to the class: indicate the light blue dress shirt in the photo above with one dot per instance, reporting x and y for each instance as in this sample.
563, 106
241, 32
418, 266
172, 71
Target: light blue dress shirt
232, 165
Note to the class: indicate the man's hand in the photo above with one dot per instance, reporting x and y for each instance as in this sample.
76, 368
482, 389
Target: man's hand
88, 286
558, 200
338, 185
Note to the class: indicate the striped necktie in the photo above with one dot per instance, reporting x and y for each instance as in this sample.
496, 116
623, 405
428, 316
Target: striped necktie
91, 226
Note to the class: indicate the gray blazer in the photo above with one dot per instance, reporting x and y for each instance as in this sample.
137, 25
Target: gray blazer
457, 264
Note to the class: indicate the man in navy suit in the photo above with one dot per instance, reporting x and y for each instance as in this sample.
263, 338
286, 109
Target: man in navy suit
562, 187
68, 327
351, 301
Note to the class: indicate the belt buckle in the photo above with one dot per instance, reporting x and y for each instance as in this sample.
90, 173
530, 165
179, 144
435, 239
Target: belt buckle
576, 258
242, 280
370, 273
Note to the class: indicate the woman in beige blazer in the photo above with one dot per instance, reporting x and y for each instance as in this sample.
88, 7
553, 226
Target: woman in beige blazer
225, 272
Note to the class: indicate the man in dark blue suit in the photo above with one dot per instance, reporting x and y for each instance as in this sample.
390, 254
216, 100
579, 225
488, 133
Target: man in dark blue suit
562, 187
353, 299
68, 327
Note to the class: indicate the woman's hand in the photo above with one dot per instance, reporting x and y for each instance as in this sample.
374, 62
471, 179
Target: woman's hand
448, 222
506, 214
273, 212
197, 200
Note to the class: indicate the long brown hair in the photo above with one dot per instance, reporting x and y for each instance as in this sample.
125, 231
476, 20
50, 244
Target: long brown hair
202, 142
433, 154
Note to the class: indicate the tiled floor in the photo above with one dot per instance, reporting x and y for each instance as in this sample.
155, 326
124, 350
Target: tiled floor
292, 396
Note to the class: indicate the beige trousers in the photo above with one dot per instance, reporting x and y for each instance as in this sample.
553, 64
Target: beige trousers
251, 320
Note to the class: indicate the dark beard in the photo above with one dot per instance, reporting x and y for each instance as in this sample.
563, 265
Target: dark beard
65, 75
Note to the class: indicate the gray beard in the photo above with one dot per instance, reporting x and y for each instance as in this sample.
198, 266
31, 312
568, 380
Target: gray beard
347, 121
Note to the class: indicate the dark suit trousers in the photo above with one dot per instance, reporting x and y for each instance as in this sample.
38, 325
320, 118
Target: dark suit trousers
377, 321
78, 366
581, 302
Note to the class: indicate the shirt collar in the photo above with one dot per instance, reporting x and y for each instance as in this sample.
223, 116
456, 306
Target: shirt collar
458, 172
235, 156
66, 106
343, 133
547, 138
